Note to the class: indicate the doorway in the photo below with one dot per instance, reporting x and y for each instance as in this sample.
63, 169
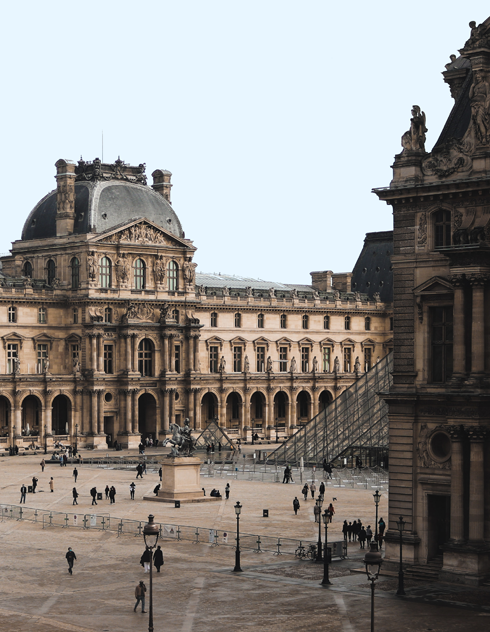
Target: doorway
109, 430
438, 523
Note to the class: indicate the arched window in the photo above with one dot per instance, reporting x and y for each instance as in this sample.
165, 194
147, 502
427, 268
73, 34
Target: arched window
12, 314
51, 270
305, 321
214, 319
139, 270
238, 320
75, 273
284, 321
175, 315
260, 321
367, 323
105, 272
326, 322
108, 315
442, 228
347, 322
145, 357
28, 269
173, 276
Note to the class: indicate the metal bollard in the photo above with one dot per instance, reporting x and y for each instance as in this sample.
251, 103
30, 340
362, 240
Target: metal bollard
178, 533
258, 549
278, 552
197, 535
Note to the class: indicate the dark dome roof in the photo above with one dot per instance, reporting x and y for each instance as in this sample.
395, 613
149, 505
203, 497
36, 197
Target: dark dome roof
101, 205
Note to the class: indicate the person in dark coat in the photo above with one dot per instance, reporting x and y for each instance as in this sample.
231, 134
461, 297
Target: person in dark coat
23, 492
158, 558
321, 489
34, 484
381, 527
112, 494
75, 496
75, 474
93, 493
139, 470
227, 490
146, 560
362, 537
349, 531
156, 489
70, 558
296, 505
107, 490
160, 473
132, 487
369, 534
304, 491
345, 529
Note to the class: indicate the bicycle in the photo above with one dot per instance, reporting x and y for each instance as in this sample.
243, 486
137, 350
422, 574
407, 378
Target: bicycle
308, 553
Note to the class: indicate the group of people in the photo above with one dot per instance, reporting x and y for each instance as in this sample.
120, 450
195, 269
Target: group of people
356, 531
312, 489
288, 475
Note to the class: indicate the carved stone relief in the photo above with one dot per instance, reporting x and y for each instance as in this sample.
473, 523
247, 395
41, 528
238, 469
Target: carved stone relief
422, 231
141, 233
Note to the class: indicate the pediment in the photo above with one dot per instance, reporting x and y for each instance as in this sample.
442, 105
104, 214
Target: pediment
369, 342
284, 342
238, 340
435, 285
143, 232
215, 341
261, 342
12, 338
43, 339
327, 342
305, 341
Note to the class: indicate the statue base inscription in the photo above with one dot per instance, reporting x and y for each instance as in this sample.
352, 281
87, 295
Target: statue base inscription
181, 481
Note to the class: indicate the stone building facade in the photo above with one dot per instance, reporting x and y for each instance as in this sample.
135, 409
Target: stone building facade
438, 406
108, 333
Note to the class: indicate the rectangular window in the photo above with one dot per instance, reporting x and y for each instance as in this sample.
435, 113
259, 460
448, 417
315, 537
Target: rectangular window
177, 358
237, 359
42, 356
441, 343
42, 315
213, 359
109, 359
305, 359
326, 359
260, 359
368, 359
12, 314
283, 359
12, 353
75, 316
347, 360
75, 353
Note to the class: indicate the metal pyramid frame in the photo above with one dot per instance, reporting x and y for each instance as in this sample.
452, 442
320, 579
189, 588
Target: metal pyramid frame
213, 434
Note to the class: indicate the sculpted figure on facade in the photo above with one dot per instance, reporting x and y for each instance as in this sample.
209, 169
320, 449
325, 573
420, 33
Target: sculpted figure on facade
336, 365
316, 295
294, 366
269, 365
159, 270
357, 366
92, 266
315, 365
414, 138
201, 291
189, 272
76, 365
164, 311
336, 295
226, 291
16, 366
222, 365
249, 291
46, 365
480, 107
246, 364
122, 269
294, 293
357, 297
272, 292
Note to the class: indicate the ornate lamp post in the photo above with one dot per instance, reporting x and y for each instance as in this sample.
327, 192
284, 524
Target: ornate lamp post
373, 562
150, 533
326, 557
400, 525
377, 498
45, 440
277, 430
238, 509
319, 503
76, 437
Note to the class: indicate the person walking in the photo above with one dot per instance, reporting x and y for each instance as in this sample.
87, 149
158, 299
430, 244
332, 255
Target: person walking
349, 531
362, 537
313, 489
345, 530
23, 492
139, 470
75, 474
296, 505
107, 490
51, 484
381, 527
331, 509
34, 484
287, 473
317, 511
112, 495
158, 558
42, 464
160, 473
227, 490
369, 534
132, 487
321, 489
139, 593
93, 493
145, 560
304, 491
75, 495
70, 558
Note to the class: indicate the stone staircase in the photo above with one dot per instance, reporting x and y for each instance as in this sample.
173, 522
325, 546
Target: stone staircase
425, 572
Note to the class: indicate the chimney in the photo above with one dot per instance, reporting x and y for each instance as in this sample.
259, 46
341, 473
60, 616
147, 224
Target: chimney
161, 183
65, 198
342, 281
322, 281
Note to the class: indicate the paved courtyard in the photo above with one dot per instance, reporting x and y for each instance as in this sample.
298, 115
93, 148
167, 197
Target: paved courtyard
196, 590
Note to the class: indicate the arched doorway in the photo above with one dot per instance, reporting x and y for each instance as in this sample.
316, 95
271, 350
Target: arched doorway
4, 416
233, 410
31, 416
303, 410
257, 410
324, 400
281, 402
147, 416
209, 407
61, 415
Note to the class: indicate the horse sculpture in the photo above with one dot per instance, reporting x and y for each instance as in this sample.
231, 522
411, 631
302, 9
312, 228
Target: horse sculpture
181, 440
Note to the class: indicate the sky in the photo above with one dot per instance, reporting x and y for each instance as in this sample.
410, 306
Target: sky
276, 118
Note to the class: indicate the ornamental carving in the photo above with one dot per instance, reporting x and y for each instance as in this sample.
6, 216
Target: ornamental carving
457, 219
144, 312
449, 411
479, 37
425, 458
452, 157
422, 231
414, 138
119, 170
142, 233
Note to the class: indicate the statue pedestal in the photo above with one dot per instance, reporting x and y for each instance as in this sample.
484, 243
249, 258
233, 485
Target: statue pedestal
181, 481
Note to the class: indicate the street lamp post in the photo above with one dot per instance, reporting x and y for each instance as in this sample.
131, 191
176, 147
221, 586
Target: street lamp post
319, 503
277, 431
326, 557
238, 509
76, 437
150, 534
45, 440
377, 498
373, 562
400, 524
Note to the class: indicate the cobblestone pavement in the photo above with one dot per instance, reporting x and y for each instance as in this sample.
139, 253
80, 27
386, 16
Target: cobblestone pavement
196, 590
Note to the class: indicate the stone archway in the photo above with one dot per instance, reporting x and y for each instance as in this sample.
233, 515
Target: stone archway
61, 415
233, 410
324, 399
303, 407
147, 416
209, 407
5, 416
31, 415
257, 410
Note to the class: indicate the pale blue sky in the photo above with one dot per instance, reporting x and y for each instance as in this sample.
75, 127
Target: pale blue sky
276, 118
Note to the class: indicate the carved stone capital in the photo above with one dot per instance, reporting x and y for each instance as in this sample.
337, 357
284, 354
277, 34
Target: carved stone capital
458, 280
478, 279
476, 434
457, 433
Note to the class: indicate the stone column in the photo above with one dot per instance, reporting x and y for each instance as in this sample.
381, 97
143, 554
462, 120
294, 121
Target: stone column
100, 352
190, 407
94, 412
165, 353
457, 489
171, 405
17, 416
165, 420
128, 352
314, 402
100, 418
134, 359
476, 435
196, 354
197, 408
222, 407
172, 354
129, 406
270, 407
93, 350
478, 325
287, 421
459, 368
246, 411
135, 412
